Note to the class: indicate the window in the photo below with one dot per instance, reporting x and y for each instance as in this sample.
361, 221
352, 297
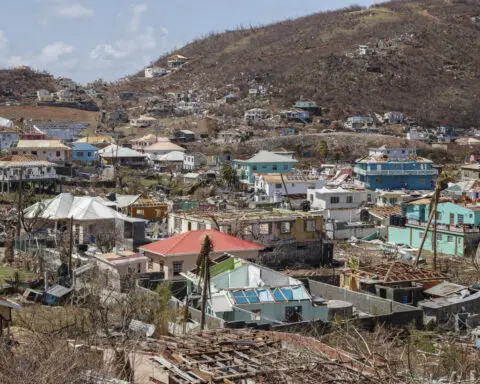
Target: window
247, 230
139, 268
285, 227
310, 226
80, 154
274, 167
264, 228
202, 226
420, 234
178, 224
160, 265
150, 264
285, 167
177, 267
278, 186
254, 167
140, 212
450, 238
89, 154
349, 199
293, 314
334, 199
460, 219
439, 237
58, 153
34, 153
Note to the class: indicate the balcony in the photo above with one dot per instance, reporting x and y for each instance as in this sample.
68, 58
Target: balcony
396, 172
445, 227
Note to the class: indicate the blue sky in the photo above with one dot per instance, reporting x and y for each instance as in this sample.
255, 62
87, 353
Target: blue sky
89, 39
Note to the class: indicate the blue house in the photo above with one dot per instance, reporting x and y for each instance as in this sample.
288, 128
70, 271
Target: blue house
458, 226
84, 153
395, 168
262, 162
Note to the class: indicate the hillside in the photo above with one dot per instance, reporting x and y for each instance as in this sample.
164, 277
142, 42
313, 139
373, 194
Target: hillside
22, 84
422, 58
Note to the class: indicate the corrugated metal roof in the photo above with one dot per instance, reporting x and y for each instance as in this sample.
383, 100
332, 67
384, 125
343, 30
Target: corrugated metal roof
444, 289
58, 291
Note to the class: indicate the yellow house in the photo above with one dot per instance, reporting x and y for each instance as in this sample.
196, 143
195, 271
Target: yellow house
256, 225
142, 206
97, 141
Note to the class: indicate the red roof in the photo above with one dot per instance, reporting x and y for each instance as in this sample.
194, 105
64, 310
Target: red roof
191, 242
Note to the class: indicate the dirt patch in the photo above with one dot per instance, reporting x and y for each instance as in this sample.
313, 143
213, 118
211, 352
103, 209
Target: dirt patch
48, 113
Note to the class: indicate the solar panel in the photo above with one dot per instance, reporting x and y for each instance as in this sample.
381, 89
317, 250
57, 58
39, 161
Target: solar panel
287, 292
278, 295
265, 295
252, 296
239, 297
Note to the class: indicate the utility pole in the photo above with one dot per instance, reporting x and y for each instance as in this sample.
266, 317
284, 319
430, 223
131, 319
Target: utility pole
20, 203
70, 248
204, 291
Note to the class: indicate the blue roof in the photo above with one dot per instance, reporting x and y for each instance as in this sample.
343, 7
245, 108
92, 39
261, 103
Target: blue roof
84, 147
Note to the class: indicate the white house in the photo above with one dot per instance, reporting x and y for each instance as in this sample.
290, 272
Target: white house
155, 72
417, 134
44, 95
143, 122
14, 168
60, 130
162, 148
272, 185
255, 114
193, 161
340, 203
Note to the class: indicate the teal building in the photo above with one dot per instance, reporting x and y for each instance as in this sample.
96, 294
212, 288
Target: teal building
458, 227
262, 162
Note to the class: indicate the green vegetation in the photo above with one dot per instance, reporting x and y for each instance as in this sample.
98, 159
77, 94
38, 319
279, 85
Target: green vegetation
9, 274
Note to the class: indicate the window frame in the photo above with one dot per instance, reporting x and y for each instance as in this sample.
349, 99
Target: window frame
175, 271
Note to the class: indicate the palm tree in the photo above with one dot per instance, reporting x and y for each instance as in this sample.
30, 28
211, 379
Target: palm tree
204, 273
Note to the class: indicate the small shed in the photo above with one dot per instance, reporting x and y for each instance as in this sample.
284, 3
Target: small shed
56, 295
6, 307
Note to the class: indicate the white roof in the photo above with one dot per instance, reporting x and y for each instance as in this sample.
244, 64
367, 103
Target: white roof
269, 157
114, 150
6, 123
164, 146
65, 206
171, 156
124, 201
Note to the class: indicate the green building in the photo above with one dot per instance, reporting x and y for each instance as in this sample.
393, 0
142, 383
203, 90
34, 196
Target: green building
458, 226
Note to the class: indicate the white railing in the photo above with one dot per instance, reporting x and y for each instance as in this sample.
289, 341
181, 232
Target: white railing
396, 172
461, 228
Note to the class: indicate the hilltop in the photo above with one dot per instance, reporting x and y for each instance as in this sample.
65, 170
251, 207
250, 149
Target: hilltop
421, 57
21, 84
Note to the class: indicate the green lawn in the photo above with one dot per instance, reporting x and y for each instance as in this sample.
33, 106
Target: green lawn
7, 273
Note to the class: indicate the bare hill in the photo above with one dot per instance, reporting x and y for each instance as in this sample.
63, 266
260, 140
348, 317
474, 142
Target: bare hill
22, 84
422, 57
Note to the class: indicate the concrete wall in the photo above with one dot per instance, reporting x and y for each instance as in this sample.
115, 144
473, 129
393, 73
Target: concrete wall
382, 310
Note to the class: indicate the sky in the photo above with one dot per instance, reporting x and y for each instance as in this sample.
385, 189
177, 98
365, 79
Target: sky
90, 39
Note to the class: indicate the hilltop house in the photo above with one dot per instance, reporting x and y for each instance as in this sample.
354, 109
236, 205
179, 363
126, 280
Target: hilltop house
60, 130
255, 114
357, 122
265, 227
65, 96
176, 61
263, 162
14, 168
168, 162
296, 115
458, 226
241, 291
97, 141
44, 96
395, 168
143, 122
155, 72
145, 141
124, 156
84, 153
180, 252
184, 135
48, 150
8, 138
309, 106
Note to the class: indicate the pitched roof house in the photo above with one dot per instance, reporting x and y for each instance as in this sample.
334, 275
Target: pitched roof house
179, 253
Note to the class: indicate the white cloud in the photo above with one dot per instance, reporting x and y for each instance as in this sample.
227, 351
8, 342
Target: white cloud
135, 21
52, 52
107, 52
67, 9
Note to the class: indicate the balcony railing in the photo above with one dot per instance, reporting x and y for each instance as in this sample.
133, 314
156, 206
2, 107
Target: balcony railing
396, 172
461, 228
